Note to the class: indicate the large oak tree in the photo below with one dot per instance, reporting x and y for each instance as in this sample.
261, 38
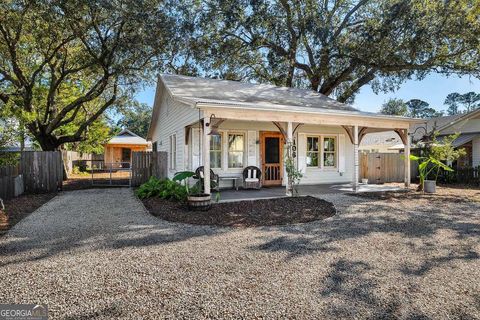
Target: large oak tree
64, 63
335, 46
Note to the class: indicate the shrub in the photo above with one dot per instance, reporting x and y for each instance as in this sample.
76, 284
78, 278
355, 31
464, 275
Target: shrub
165, 189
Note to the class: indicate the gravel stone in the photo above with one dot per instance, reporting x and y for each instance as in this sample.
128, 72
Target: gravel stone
98, 254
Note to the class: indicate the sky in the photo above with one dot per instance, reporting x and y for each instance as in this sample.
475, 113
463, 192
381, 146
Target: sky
433, 89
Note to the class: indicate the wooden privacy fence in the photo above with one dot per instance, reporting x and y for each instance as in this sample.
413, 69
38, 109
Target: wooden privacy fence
384, 167
42, 171
146, 165
11, 183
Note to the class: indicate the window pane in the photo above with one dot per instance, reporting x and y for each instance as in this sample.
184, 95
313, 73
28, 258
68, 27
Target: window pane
216, 143
215, 159
235, 142
329, 144
312, 159
235, 159
312, 144
329, 159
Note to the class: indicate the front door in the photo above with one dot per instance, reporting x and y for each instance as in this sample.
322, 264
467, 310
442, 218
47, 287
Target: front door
126, 154
271, 157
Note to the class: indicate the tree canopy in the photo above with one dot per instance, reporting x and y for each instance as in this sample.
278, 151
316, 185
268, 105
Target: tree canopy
63, 63
136, 117
395, 107
459, 103
336, 46
420, 109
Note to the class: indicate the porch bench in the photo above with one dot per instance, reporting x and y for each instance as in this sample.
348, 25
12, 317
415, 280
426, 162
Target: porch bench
230, 177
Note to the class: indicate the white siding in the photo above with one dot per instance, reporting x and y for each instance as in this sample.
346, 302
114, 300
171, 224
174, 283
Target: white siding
476, 152
320, 176
311, 175
173, 118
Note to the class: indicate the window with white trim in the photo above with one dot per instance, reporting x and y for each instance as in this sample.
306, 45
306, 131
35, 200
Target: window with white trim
312, 152
173, 152
216, 151
329, 152
236, 150
322, 151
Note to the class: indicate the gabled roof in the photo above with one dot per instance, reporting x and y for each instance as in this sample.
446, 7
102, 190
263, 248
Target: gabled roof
192, 89
127, 137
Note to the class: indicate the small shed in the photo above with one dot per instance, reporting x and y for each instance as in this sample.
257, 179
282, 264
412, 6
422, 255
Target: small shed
118, 150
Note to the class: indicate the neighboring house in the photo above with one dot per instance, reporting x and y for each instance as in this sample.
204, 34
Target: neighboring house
468, 125
118, 150
381, 142
254, 121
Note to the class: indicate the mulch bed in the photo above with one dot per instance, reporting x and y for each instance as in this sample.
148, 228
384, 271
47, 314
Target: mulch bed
20, 207
252, 213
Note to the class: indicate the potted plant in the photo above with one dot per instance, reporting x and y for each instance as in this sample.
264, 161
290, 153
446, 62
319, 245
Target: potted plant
196, 200
430, 164
427, 166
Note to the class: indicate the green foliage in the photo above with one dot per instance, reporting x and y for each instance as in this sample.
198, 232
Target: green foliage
78, 171
95, 137
165, 189
395, 107
334, 46
9, 158
136, 117
427, 165
437, 152
420, 109
293, 174
64, 63
459, 103
444, 150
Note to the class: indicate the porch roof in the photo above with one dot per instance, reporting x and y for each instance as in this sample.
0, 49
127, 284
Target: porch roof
231, 97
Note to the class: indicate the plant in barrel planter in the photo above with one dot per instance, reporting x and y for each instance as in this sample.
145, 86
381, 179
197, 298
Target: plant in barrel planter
196, 199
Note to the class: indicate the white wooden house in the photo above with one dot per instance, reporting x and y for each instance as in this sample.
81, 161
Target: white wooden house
255, 121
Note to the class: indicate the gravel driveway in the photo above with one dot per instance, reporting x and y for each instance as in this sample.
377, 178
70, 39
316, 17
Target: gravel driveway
98, 254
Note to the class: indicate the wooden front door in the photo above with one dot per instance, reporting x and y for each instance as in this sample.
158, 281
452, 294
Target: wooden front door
271, 149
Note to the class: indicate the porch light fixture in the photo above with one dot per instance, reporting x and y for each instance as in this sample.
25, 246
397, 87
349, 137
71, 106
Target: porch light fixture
213, 130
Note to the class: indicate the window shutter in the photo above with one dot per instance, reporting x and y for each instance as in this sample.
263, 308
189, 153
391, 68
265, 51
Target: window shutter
252, 148
302, 153
341, 153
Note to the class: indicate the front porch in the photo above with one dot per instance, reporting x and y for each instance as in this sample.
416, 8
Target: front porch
325, 147
229, 195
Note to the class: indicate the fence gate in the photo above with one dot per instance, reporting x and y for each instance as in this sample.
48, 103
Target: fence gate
384, 167
148, 164
110, 174
42, 171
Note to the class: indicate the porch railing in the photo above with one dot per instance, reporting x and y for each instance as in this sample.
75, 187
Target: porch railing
463, 175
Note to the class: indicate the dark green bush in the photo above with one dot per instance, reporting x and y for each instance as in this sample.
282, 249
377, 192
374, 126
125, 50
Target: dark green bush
165, 189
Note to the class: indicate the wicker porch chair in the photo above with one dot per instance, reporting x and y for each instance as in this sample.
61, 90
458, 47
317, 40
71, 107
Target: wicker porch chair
252, 177
213, 178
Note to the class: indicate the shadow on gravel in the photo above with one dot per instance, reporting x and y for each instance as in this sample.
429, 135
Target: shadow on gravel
354, 293
367, 217
71, 224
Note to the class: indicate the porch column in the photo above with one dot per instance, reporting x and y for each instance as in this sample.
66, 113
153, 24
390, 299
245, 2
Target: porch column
289, 142
407, 159
355, 159
206, 154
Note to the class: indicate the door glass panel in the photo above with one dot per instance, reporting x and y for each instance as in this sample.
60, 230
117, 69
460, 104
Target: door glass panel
272, 150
